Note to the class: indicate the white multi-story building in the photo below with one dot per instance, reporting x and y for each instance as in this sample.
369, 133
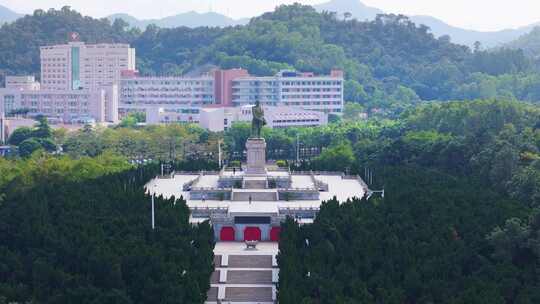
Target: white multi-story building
66, 106
289, 88
79, 83
76, 65
217, 119
156, 116
178, 98
247, 90
183, 95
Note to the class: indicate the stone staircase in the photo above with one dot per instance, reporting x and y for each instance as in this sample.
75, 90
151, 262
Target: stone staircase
249, 294
250, 261
244, 279
255, 182
249, 277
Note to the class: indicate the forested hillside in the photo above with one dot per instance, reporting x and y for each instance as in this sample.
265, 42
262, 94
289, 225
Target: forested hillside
78, 231
389, 62
459, 222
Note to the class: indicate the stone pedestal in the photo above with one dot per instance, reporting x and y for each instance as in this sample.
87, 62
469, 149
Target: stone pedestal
256, 156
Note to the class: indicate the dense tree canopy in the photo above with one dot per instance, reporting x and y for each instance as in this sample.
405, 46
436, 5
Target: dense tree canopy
458, 222
78, 231
428, 241
30, 140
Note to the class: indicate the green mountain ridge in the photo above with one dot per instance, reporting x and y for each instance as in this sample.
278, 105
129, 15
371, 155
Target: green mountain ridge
360, 11
529, 43
389, 63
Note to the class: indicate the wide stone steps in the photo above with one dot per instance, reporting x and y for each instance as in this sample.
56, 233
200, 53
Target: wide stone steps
248, 294
212, 295
243, 279
255, 183
249, 277
250, 261
217, 260
214, 279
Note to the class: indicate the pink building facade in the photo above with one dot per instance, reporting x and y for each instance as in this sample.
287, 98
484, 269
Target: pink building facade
223, 80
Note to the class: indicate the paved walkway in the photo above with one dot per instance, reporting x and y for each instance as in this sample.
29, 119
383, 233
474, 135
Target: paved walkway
244, 276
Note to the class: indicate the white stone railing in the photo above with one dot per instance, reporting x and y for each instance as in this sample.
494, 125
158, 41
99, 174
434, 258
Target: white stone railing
210, 172
188, 186
333, 173
299, 212
213, 209
277, 178
210, 189
185, 173
298, 209
208, 211
297, 189
319, 184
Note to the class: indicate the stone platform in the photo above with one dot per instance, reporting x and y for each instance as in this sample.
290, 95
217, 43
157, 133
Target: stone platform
261, 195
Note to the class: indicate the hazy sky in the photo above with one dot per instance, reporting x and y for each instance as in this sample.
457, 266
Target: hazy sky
473, 14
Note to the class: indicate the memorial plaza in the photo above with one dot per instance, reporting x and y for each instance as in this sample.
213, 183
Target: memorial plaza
246, 207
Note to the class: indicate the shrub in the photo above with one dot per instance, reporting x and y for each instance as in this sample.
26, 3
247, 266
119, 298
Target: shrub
282, 163
235, 164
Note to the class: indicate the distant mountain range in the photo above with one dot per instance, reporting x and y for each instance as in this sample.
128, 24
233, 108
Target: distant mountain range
438, 27
469, 37
357, 9
7, 15
189, 19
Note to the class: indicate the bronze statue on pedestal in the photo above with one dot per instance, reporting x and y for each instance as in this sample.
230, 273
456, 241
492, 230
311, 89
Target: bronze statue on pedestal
258, 120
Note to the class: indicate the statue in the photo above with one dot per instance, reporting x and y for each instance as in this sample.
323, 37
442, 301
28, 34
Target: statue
258, 120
